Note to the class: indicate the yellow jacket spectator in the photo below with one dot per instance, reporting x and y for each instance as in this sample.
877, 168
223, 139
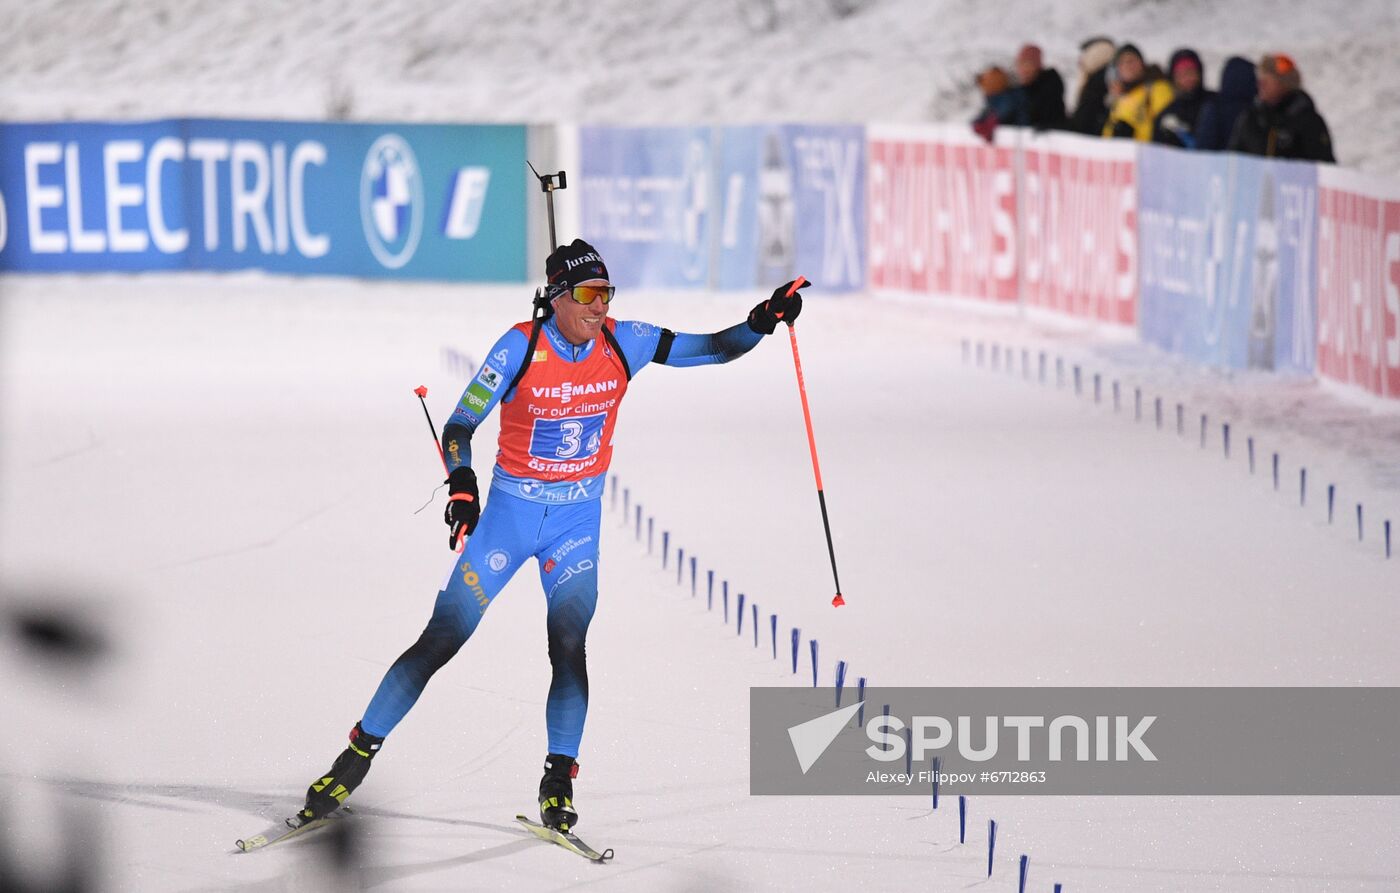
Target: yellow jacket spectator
1143, 94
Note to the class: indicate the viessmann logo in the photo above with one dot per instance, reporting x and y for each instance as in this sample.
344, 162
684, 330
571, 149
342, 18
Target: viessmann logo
568, 390
1036, 737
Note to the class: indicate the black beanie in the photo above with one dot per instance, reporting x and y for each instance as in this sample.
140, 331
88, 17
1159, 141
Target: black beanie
574, 263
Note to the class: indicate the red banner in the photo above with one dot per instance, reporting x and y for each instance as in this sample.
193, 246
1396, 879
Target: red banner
1079, 230
942, 217
1358, 290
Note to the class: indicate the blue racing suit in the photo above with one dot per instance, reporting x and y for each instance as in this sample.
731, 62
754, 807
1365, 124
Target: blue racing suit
557, 523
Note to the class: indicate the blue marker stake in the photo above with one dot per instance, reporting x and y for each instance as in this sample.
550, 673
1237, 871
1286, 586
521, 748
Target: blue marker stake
1303, 486
740, 631
1180, 420
814, 663
962, 819
626, 503
936, 767
1249, 441
726, 602
680, 564
840, 679
979, 354
651, 527
665, 548
773, 625
1137, 404
1331, 500
755, 625
639, 522
709, 590
1042, 367
991, 843
1025, 867
796, 637
1078, 387
860, 696
1157, 408
1059, 372
1358, 522
1203, 430
612, 494
1098, 388
692, 576
1387, 537
1225, 438
1275, 471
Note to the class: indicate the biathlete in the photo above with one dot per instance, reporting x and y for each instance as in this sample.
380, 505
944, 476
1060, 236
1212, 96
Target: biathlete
559, 380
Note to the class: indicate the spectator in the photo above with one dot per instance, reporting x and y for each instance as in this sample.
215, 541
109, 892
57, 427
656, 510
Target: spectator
1144, 93
1283, 122
1043, 88
1178, 122
1236, 96
1005, 104
1091, 102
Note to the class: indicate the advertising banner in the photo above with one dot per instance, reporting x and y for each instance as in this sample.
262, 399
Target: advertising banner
793, 201
1078, 231
1358, 281
942, 214
646, 202
1282, 334
382, 200
1182, 228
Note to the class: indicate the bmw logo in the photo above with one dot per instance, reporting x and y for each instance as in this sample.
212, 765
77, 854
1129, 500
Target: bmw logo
391, 201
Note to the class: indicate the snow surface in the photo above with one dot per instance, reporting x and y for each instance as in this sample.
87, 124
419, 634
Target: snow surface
224, 471
620, 61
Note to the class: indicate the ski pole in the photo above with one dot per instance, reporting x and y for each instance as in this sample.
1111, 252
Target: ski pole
838, 601
422, 392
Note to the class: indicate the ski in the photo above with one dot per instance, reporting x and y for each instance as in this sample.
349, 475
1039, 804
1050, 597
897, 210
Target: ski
287, 829
566, 840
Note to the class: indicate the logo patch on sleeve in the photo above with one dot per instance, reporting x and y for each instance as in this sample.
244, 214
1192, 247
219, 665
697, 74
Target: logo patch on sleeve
476, 397
490, 377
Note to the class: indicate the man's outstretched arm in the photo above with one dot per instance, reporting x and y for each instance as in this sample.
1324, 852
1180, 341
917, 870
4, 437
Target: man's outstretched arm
644, 343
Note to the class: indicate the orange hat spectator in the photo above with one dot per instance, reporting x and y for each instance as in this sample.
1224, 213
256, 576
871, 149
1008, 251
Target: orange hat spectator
1283, 122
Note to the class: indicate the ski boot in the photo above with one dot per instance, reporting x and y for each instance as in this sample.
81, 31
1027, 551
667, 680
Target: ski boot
328, 792
557, 793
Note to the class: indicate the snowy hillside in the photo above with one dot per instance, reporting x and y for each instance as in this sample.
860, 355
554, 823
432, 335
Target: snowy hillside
615, 61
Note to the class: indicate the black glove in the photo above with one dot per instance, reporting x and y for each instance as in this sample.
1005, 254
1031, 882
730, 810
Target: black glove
764, 318
463, 505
